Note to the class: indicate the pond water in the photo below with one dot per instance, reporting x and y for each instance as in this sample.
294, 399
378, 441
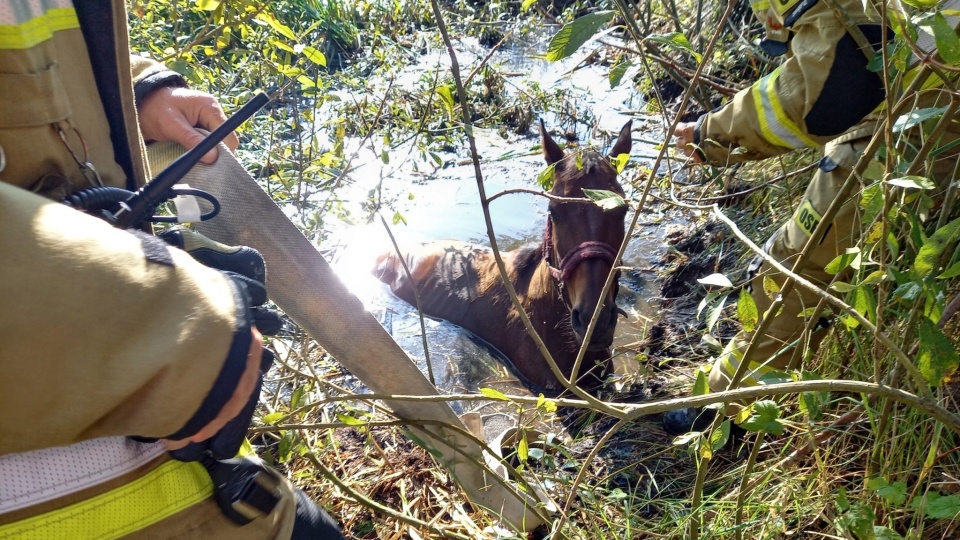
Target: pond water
445, 204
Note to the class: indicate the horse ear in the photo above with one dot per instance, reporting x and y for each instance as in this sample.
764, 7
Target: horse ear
551, 150
624, 141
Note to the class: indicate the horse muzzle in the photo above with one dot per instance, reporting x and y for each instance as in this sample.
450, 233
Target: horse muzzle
603, 331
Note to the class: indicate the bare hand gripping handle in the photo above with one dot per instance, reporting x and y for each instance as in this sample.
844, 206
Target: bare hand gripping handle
134, 210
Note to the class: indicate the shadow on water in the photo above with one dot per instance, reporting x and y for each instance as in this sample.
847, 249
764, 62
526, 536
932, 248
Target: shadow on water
446, 205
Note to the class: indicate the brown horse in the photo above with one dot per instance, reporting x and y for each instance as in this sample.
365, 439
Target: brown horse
559, 283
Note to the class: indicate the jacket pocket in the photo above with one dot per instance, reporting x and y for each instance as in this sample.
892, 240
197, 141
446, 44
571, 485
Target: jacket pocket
40, 99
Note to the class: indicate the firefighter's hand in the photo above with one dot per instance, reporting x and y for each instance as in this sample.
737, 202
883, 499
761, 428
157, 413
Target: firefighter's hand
684, 133
173, 113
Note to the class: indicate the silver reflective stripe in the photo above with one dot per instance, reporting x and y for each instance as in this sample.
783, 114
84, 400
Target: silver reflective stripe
774, 123
18, 12
42, 475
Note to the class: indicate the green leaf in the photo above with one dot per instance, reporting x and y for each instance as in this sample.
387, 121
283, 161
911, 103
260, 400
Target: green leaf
719, 280
885, 533
576, 33
675, 40
951, 272
937, 357
811, 406
865, 302
843, 504
842, 286
875, 170
545, 178
775, 377
747, 311
947, 507
312, 54
617, 73
764, 418
296, 399
948, 44
928, 257
850, 258
523, 448
272, 418
701, 386
770, 287
285, 446
686, 438
811, 403
494, 394
922, 4
549, 406
720, 436
859, 521
895, 493
706, 452
446, 96
398, 218
713, 314
277, 26
620, 162
605, 199
350, 420
912, 182
913, 118
908, 292
526, 5
872, 202
208, 5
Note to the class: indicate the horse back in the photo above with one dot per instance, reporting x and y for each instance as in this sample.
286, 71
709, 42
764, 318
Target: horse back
455, 281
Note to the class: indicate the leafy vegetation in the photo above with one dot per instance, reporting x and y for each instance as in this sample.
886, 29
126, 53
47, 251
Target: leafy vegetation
863, 443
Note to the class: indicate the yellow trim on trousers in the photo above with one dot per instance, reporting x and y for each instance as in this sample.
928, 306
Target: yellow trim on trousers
170, 488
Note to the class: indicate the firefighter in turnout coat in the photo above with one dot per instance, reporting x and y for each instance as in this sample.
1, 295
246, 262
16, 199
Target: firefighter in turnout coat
109, 334
821, 96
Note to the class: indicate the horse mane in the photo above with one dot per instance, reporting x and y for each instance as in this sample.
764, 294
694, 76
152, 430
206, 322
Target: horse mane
527, 259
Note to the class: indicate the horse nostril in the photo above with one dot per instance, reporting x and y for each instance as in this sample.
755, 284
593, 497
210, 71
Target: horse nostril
576, 321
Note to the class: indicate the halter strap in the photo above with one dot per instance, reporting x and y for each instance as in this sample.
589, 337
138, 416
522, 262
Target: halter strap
570, 261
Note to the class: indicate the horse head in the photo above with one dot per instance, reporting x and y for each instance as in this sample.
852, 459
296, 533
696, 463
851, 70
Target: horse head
582, 239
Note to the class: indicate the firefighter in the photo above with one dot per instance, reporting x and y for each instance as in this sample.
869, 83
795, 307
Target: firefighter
823, 95
110, 334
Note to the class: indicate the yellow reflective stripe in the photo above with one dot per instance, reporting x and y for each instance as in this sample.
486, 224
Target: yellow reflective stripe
38, 29
807, 217
775, 125
783, 6
168, 489
730, 363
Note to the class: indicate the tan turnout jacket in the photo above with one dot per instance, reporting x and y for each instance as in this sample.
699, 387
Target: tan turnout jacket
821, 91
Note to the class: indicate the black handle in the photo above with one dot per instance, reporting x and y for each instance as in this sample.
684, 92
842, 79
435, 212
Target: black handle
135, 209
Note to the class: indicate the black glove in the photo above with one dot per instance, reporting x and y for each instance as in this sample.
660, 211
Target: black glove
245, 266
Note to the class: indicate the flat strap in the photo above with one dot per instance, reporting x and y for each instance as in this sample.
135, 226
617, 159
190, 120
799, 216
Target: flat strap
586, 250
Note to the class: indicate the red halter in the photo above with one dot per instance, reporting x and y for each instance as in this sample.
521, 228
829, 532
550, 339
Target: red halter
570, 261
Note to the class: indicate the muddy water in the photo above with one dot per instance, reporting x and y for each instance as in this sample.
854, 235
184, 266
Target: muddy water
445, 204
